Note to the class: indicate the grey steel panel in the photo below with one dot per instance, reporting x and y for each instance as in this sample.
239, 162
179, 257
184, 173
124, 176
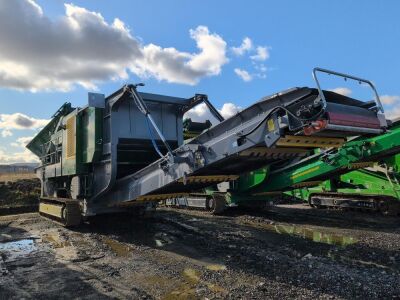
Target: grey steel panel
52, 170
218, 144
163, 98
96, 100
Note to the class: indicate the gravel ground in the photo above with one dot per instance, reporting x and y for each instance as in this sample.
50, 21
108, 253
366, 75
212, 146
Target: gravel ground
289, 251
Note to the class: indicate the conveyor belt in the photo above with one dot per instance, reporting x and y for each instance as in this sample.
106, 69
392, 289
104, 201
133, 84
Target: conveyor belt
359, 153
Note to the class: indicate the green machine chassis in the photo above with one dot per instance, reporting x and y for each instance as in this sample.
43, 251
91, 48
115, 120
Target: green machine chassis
370, 185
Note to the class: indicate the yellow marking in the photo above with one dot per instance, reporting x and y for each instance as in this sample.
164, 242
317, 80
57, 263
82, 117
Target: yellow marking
273, 152
51, 209
307, 183
271, 125
304, 172
189, 135
71, 145
210, 178
158, 197
310, 141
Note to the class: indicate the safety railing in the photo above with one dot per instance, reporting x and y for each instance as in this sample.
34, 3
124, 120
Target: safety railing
345, 76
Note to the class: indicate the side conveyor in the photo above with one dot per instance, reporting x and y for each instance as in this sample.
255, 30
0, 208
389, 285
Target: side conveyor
359, 153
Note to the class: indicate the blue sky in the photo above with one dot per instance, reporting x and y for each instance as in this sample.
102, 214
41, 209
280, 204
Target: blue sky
356, 37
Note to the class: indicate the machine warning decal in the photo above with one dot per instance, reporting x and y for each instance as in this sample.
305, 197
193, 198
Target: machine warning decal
271, 125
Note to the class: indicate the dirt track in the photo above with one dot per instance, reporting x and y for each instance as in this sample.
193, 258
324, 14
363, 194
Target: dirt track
289, 252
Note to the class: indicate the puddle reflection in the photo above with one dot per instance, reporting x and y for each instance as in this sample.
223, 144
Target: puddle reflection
16, 249
314, 235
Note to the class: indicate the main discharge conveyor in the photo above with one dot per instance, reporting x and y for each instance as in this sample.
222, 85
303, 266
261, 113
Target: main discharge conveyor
126, 151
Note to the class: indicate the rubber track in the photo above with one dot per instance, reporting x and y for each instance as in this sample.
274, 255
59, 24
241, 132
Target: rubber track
384, 205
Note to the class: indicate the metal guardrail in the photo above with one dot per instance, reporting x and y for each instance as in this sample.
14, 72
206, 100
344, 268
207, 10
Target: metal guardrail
345, 76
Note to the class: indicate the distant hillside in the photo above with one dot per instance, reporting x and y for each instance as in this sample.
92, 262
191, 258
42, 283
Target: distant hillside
18, 168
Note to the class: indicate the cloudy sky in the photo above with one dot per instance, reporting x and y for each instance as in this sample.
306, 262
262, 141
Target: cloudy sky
55, 51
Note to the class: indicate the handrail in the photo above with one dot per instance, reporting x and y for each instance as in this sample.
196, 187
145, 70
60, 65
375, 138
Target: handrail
345, 76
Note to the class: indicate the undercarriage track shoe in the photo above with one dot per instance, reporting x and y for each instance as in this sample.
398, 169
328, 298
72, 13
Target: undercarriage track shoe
384, 205
64, 211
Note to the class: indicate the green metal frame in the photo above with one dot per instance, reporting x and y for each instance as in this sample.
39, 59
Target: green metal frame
360, 182
345, 159
345, 163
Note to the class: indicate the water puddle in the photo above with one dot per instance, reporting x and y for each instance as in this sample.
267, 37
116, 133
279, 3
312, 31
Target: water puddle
309, 234
191, 276
118, 248
55, 241
63, 248
187, 290
162, 239
358, 261
16, 249
216, 267
315, 236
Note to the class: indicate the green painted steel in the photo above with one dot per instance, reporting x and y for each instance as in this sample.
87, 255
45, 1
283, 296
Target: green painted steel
38, 144
252, 179
344, 163
339, 170
323, 166
360, 182
91, 118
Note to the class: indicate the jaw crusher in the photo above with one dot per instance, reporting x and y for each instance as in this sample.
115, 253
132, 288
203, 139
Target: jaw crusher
126, 151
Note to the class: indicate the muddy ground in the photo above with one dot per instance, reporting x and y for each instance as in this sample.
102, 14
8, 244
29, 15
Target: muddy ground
290, 251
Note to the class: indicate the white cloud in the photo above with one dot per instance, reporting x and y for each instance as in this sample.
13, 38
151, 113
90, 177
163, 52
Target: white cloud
391, 102
200, 113
17, 157
342, 91
261, 67
246, 45
243, 74
262, 54
181, 67
6, 133
20, 121
22, 141
39, 53
229, 109
388, 99
393, 114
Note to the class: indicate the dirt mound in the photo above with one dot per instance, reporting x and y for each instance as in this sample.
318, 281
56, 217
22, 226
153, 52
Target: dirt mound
20, 193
